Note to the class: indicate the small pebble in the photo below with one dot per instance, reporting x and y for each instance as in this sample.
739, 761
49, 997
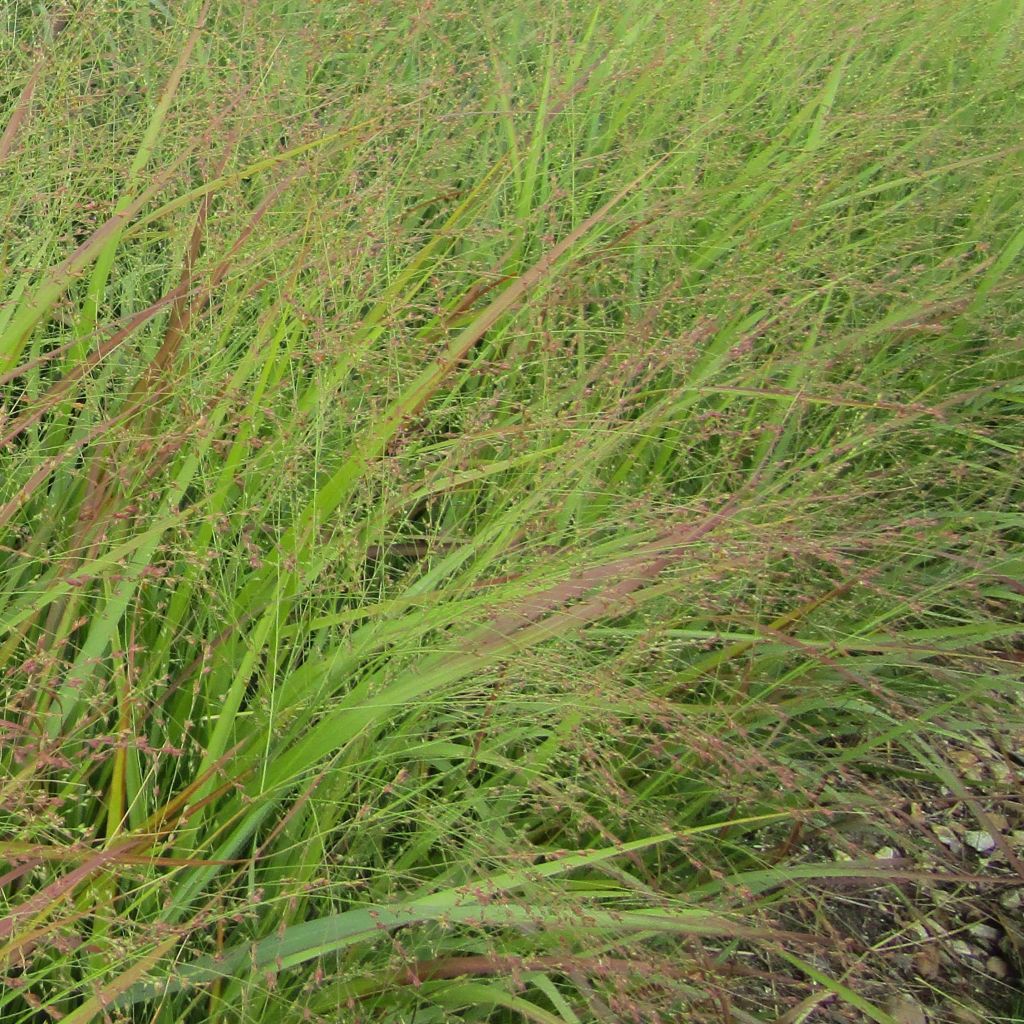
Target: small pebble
1011, 900
964, 949
886, 853
980, 841
984, 933
905, 1010
996, 966
947, 837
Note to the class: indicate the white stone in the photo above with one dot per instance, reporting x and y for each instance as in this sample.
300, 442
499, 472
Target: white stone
980, 841
984, 933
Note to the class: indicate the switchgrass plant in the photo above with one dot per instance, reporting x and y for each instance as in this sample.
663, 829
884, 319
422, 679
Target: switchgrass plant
481, 483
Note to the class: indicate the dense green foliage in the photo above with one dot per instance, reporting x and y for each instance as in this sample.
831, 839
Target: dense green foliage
476, 478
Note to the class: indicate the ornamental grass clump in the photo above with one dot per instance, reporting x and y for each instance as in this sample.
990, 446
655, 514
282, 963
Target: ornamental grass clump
484, 492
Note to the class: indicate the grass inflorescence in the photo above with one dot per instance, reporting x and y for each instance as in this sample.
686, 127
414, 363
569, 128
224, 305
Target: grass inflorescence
489, 494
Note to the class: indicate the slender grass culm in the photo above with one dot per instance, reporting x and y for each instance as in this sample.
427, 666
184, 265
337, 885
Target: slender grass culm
511, 512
